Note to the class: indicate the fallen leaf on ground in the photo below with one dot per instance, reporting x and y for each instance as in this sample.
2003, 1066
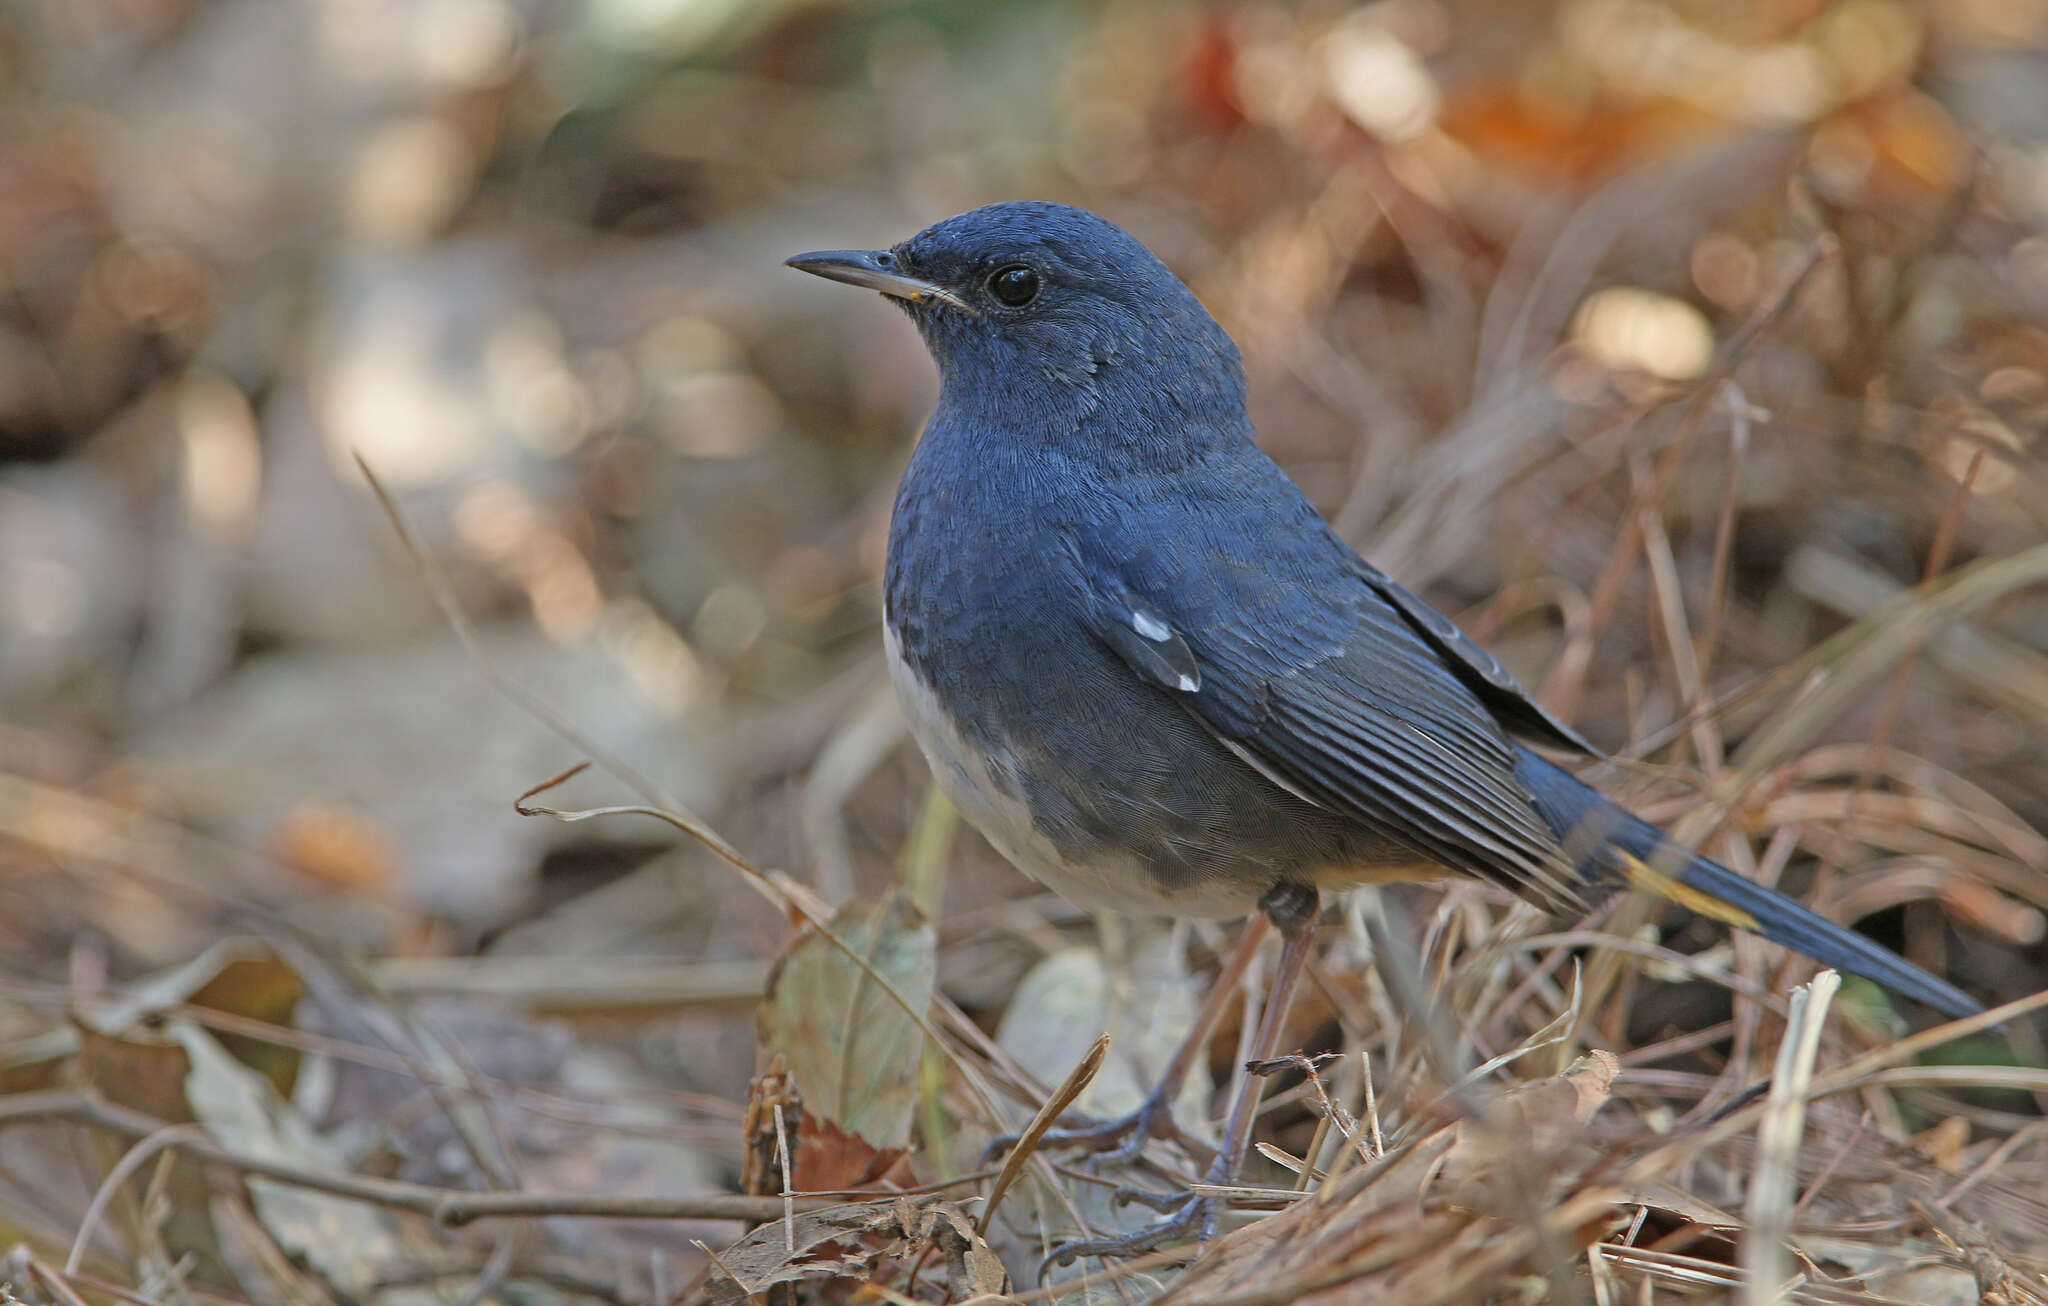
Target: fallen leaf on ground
350, 1245
855, 1241
823, 1157
854, 1052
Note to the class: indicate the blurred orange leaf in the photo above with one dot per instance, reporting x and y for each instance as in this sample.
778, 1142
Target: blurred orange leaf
1549, 143
337, 846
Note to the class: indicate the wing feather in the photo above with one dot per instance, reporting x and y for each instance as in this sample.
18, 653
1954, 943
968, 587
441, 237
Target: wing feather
1477, 668
1469, 810
1338, 698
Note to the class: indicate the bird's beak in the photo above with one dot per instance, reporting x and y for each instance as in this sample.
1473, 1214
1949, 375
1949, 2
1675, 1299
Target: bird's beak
872, 269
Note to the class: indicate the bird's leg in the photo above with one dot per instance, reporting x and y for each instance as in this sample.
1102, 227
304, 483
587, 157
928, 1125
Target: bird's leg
1291, 906
1122, 1138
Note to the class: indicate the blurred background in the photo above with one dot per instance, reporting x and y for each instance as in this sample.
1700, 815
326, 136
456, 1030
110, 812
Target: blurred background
1658, 343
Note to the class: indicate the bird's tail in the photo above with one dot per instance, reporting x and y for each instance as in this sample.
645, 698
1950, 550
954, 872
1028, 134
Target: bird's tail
1609, 842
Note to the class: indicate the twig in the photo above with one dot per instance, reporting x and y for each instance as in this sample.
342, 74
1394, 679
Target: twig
1372, 1106
970, 1074
1741, 412
446, 1206
169, 1136
443, 595
490, 1148
788, 1186
1893, 704
2000, 1155
1669, 601
1827, 1171
768, 889
55, 1283
1823, 249
493, 1274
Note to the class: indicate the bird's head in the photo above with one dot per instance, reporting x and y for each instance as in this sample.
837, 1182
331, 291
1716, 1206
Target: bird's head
1044, 304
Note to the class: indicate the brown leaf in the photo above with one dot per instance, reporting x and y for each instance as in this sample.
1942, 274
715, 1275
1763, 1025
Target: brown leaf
823, 1157
857, 1240
240, 977
829, 1159
261, 986
1537, 1122
972, 1267
135, 1067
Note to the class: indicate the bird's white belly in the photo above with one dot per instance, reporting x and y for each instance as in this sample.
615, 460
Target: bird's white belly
1114, 881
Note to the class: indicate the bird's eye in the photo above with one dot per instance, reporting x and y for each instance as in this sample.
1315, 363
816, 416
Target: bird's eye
1015, 285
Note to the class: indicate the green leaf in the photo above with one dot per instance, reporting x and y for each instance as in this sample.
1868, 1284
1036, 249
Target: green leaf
853, 1051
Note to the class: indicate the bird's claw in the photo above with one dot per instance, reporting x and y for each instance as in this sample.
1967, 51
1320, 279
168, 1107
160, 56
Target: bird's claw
1187, 1217
1164, 1202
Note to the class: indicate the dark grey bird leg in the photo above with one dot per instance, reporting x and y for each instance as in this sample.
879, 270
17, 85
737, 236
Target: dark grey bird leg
1122, 1138
1292, 907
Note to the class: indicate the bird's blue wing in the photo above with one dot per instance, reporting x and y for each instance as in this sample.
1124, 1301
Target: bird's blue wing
1315, 678
1511, 704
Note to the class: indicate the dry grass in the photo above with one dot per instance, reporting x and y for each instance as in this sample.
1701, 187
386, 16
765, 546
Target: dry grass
1716, 412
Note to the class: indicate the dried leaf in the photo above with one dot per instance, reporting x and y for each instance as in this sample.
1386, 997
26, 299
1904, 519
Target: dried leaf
829, 1159
854, 1053
241, 977
823, 1156
850, 1241
349, 1244
1544, 1120
761, 1161
1935, 1284
135, 1067
1069, 999
972, 1268
261, 986
138, 1066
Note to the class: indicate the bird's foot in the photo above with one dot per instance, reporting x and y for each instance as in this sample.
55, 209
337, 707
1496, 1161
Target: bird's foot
1118, 1140
1187, 1216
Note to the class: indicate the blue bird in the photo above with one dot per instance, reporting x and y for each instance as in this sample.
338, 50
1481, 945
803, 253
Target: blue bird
1148, 671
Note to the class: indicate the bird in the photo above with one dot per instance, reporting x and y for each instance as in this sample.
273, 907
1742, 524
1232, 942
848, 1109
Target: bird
1144, 666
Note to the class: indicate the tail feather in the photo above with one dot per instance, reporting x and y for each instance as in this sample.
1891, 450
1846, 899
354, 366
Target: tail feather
1609, 841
